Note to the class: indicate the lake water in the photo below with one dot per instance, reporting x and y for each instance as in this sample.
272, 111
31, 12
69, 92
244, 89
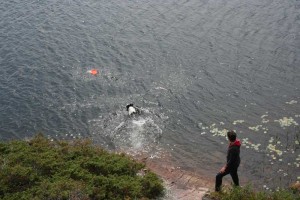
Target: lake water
196, 68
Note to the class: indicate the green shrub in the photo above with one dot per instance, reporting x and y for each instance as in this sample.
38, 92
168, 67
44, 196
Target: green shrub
248, 193
151, 185
41, 169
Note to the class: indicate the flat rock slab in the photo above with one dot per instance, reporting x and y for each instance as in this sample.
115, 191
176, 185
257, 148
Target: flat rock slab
180, 184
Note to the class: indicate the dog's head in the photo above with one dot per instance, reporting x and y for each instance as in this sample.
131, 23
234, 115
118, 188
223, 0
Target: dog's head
129, 105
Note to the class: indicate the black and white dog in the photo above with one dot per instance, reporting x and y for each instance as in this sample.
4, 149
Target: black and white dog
131, 109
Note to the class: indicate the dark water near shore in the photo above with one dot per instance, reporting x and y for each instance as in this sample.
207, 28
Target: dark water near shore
196, 69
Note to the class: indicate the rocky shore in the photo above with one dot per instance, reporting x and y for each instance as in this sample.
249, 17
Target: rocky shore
180, 184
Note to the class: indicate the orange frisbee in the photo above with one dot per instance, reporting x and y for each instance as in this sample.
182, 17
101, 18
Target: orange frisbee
93, 71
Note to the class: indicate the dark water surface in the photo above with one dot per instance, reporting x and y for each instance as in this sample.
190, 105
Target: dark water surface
195, 67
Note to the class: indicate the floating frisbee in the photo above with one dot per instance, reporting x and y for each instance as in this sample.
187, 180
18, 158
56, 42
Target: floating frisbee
93, 72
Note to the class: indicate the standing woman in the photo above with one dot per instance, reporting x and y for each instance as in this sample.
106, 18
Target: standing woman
233, 161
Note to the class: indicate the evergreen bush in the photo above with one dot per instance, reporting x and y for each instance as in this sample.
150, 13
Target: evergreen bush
44, 169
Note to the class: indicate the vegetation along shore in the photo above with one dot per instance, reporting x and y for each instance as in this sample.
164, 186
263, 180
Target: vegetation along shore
51, 169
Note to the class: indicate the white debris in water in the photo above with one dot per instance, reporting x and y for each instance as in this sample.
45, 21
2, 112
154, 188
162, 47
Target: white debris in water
217, 132
256, 146
160, 88
238, 122
297, 116
200, 125
222, 123
291, 102
263, 116
255, 128
245, 140
249, 144
285, 122
265, 121
266, 187
272, 148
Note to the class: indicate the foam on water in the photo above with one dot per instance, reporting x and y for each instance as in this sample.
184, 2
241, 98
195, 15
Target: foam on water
132, 134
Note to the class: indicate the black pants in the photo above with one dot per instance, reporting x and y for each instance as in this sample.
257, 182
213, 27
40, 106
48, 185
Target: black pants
234, 176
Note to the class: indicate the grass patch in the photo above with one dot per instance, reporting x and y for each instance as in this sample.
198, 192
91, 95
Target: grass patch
248, 193
42, 169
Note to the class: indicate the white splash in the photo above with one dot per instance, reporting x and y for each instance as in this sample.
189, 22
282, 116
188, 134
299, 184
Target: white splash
140, 122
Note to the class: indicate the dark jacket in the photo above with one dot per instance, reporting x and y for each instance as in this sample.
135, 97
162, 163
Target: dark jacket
233, 155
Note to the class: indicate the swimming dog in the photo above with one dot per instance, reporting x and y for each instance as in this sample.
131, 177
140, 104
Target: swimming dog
132, 109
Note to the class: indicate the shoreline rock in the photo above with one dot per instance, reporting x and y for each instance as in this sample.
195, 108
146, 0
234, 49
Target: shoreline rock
180, 184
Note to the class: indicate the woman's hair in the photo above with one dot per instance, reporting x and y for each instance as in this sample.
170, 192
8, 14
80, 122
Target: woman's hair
231, 136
